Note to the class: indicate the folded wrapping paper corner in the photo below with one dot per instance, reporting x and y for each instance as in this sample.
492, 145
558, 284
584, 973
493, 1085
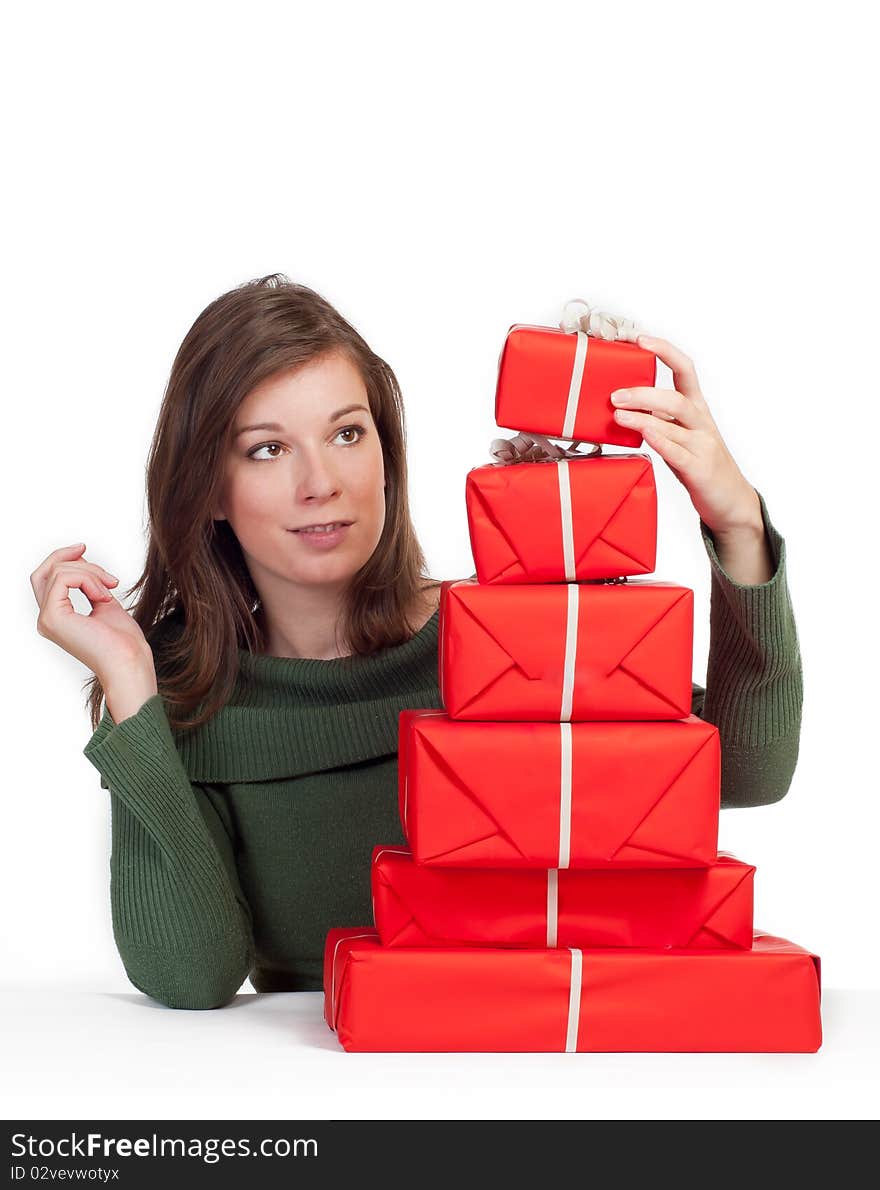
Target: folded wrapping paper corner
490, 999
559, 383
558, 795
693, 908
566, 651
563, 521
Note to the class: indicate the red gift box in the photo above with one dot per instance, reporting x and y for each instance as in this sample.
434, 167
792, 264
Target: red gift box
559, 795
559, 383
563, 521
566, 651
688, 908
484, 999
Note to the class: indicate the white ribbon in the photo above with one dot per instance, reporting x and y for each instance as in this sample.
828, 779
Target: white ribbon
565, 785
567, 523
571, 625
574, 384
574, 1001
599, 325
552, 905
565, 768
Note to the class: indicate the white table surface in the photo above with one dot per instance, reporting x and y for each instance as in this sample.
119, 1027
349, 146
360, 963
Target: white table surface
84, 1053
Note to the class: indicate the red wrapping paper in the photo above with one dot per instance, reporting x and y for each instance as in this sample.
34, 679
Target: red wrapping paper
504, 649
481, 795
688, 908
483, 999
535, 371
525, 518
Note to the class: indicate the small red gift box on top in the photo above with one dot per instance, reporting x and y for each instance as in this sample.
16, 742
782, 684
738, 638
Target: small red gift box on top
688, 908
494, 999
559, 795
559, 383
563, 521
566, 651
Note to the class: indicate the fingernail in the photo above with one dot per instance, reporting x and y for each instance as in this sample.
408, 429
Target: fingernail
618, 395
623, 415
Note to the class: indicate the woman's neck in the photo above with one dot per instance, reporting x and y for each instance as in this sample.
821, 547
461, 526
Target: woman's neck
309, 627
314, 627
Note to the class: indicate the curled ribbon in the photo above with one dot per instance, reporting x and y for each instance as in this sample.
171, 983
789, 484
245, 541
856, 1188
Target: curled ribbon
535, 448
598, 323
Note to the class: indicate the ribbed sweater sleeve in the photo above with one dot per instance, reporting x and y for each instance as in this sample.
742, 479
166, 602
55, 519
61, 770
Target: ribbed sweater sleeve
754, 679
181, 924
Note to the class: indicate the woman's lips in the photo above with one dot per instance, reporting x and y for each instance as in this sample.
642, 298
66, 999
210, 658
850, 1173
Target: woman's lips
323, 538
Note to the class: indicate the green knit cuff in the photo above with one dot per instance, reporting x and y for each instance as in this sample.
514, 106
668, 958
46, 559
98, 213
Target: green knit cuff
147, 732
139, 762
754, 682
149, 721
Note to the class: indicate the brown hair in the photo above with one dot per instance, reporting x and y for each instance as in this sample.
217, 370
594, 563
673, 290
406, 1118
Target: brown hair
197, 604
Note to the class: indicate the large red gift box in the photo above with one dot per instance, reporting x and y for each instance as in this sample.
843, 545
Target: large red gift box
566, 651
563, 521
494, 999
688, 908
559, 383
559, 795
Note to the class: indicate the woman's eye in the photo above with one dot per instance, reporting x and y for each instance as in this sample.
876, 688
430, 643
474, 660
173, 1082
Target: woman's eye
351, 434
252, 454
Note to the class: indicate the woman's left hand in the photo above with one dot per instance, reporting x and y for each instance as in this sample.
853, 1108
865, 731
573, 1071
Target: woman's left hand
678, 425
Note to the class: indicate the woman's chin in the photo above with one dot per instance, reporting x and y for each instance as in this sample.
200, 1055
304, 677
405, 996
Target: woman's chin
327, 571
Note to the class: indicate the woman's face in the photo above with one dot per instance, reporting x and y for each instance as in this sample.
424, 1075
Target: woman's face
305, 492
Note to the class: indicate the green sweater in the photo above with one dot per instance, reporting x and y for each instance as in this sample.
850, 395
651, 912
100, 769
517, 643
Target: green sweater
236, 847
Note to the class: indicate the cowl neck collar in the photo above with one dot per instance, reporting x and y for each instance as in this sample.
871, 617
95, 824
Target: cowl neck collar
289, 716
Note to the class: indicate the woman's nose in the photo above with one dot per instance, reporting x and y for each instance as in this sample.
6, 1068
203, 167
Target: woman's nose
317, 480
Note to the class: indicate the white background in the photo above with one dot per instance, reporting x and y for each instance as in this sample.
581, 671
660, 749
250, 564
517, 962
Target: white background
438, 173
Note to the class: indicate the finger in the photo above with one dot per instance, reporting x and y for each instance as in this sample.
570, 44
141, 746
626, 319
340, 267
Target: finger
684, 373
57, 603
106, 579
65, 553
105, 575
651, 428
81, 580
676, 454
40, 580
667, 401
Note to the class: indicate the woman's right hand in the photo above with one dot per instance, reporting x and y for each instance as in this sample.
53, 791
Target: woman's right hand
107, 639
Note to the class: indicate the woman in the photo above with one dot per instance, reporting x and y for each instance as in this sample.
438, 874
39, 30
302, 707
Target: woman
284, 620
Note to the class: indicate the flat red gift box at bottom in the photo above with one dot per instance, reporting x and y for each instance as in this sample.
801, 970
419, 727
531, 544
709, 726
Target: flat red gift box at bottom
498, 1000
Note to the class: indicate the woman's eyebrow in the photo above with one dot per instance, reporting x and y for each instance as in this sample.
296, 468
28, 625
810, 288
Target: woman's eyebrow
273, 425
348, 409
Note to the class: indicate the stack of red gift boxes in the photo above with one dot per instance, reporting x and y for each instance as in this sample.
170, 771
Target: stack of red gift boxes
562, 888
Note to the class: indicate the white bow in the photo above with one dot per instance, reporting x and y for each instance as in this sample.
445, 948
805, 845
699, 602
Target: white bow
598, 323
